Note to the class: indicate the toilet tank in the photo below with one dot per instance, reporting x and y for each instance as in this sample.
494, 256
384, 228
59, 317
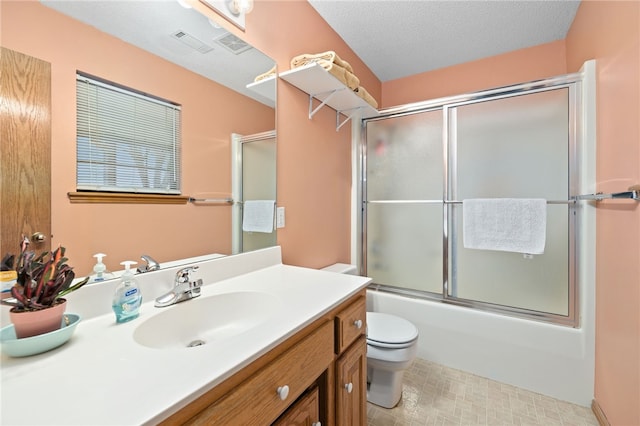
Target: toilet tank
342, 268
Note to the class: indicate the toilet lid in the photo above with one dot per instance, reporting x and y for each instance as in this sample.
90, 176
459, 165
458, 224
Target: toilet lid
389, 329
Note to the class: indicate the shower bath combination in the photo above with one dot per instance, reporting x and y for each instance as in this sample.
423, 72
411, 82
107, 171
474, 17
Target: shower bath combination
420, 166
526, 320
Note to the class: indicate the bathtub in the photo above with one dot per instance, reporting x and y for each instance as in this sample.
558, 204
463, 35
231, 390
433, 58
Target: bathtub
553, 360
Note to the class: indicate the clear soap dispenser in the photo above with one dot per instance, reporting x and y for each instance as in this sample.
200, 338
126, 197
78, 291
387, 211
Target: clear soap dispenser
100, 272
127, 298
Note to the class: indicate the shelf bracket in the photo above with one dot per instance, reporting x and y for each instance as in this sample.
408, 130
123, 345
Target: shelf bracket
329, 94
348, 116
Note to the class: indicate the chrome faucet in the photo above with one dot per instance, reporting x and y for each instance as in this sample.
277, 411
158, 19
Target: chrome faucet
151, 265
184, 288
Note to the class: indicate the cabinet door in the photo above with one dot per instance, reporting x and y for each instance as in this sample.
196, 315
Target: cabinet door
305, 412
351, 385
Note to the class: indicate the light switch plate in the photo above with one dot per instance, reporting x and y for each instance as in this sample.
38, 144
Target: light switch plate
279, 217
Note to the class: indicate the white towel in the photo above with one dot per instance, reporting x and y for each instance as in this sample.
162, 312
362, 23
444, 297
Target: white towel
505, 224
258, 216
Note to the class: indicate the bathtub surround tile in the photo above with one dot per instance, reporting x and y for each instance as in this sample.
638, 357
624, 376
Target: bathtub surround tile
435, 395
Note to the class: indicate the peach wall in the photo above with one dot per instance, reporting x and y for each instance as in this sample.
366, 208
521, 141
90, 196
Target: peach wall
529, 64
609, 31
210, 113
314, 161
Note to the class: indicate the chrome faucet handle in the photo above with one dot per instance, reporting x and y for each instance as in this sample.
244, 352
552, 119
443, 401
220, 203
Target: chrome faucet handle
184, 288
184, 275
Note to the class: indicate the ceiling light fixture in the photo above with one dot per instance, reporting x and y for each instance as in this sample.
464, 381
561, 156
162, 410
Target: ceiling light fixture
238, 7
184, 4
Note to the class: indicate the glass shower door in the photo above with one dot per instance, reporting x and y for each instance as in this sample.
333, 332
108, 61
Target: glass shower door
254, 178
403, 201
515, 147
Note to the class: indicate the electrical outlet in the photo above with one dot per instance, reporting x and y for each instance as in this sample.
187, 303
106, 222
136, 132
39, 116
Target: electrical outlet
279, 217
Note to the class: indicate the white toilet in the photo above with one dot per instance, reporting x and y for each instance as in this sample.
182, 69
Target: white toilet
392, 343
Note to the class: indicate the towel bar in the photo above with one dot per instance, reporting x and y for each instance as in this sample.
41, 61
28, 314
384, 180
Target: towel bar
633, 194
211, 200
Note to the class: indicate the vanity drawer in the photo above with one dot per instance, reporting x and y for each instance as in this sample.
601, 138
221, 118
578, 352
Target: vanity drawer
263, 397
351, 323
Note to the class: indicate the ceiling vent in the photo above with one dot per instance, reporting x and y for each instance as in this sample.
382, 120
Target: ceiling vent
233, 43
192, 42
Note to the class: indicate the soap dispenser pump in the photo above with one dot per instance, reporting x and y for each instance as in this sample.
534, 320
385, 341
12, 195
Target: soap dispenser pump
100, 272
127, 298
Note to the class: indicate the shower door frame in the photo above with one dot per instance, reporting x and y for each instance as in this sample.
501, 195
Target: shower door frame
573, 83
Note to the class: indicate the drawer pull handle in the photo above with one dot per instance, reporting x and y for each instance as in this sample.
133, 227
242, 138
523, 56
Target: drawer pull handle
283, 392
316, 424
358, 324
349, 387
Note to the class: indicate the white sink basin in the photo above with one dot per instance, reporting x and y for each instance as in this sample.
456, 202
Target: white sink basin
205, 320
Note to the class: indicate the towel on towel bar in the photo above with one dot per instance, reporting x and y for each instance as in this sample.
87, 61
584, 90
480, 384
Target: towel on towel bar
258, 216
505, 224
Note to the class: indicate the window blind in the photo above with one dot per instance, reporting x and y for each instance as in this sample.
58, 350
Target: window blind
126, 141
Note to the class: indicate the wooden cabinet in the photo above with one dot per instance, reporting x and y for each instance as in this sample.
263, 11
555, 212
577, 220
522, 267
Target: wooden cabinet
351, 323
351, 366
317, 376
305, 412
351, 385
263, 397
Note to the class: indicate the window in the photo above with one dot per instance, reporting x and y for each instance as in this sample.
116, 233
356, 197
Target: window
126, 141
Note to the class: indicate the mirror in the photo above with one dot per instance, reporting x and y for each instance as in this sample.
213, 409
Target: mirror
180, 35
189, 39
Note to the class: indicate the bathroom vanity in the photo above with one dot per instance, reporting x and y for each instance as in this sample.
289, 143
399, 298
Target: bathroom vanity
282, 345
317, 375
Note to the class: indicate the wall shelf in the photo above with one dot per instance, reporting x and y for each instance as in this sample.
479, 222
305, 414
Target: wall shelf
319, 84
265, 87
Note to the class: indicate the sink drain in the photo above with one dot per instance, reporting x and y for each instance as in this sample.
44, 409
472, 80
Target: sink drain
197, 342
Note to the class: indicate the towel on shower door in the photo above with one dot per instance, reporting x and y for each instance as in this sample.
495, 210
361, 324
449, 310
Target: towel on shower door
505, 224
258, 216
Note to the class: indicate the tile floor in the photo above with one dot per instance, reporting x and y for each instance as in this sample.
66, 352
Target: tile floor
438, 395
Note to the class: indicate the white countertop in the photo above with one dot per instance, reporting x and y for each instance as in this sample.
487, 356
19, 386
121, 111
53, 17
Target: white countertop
103, 377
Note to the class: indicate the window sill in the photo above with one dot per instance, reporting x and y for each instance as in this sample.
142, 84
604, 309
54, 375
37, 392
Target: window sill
121, 198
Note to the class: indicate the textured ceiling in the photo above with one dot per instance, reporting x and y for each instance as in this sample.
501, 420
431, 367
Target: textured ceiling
398, 38
395, 38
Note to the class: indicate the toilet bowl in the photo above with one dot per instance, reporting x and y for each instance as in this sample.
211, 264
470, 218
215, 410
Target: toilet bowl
392, 343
